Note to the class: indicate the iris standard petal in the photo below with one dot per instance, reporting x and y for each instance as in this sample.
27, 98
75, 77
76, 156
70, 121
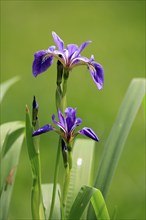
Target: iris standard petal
69, 124
77, 53
80, 60
58, 123
44, 129
88, 132
58, 41
42, 61
60, 56
71, 49
61, 118
70, 112
77, 122
97, 73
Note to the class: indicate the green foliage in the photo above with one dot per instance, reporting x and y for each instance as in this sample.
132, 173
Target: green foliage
47, 190
4, 87
36, 196
11, 139
81, 173
118, 135
86, 194
12, 135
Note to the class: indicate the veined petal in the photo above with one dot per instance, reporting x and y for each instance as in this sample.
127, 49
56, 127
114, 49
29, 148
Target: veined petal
88, 132
58, 123
51, 49
60, 56
71, 49
44, 129
77, 53
70, 114
80, 60
42, 61
78, 121
58, 41
97, 73
61, 118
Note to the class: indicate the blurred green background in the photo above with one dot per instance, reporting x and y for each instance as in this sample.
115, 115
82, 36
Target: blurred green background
117, 31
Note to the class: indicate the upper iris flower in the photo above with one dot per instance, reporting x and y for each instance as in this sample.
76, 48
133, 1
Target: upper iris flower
67, 125
69, 57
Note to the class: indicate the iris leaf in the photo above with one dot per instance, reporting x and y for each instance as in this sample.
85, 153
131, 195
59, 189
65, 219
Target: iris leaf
4, 87
81, 173
12, 136
118, 135
37, 206
47, 195
84, 196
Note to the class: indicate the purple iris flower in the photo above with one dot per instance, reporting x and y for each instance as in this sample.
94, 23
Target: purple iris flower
67, 125
69, 57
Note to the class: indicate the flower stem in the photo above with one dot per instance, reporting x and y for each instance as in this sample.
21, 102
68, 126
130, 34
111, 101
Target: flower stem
55, 179
66, 185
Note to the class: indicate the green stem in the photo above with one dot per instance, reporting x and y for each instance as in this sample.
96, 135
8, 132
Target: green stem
66, 185
55, 179
60, 104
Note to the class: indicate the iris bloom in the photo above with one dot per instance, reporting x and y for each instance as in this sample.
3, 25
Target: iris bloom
69, 57
67, 125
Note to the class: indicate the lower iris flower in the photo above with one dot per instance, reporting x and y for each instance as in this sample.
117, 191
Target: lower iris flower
67, 125
69, 57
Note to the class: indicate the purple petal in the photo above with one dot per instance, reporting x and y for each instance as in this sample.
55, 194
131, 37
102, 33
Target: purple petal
81, 48
80, 60
58, 123
77, 122
60, 56
42, 61
71, 49
43, 129
70, 114
88, 132
61, 118
97, 73
58, 41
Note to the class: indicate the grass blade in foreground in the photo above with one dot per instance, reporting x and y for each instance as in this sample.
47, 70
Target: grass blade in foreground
81, 173
119, 133
47, 194
84, 196
12, 136
117, 137
4, 87
36, 197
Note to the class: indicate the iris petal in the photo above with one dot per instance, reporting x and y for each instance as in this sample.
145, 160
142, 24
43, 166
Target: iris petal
71, 49
58, 124
77, 122
97, 73
88, 132
58, 41
42, 61
77, 53
44, 129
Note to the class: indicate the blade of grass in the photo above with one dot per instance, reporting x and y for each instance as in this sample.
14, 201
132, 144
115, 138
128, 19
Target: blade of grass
4, 87
9, 164
83, 151
117, 137
119, 133
47, 190
84, 196
37, 206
